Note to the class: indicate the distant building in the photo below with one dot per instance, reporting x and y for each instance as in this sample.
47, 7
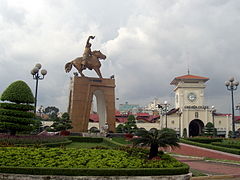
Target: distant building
153, 106
126, 108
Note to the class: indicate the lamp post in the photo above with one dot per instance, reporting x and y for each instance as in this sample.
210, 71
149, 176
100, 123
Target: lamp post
37, 76
164, 109
232, 86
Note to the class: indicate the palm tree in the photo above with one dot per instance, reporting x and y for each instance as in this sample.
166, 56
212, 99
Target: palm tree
155, 139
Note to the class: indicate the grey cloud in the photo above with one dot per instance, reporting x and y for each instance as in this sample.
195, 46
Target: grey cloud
147, 44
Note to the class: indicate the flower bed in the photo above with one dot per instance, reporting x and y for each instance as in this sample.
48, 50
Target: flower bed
6, 140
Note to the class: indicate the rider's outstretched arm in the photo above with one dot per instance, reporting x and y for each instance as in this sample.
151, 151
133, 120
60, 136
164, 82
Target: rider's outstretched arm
90, 37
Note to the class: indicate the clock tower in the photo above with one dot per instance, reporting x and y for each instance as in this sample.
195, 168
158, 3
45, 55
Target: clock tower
189, 90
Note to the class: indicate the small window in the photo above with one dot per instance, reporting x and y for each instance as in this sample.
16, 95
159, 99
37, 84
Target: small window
196, 115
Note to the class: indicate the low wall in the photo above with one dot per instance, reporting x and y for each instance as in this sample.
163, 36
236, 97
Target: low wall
4, 176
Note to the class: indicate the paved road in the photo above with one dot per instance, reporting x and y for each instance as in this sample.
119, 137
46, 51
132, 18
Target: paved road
190, 150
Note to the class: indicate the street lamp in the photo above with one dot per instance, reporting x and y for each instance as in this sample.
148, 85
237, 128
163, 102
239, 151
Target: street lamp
37, 76
232, 86
238, 108
164, 109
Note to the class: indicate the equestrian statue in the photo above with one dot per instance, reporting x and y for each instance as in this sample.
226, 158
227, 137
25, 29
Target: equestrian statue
89, 60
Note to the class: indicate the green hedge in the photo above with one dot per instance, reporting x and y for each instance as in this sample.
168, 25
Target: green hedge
209, 146
97, 172
204, 140
85, 139
23, 107
235, 146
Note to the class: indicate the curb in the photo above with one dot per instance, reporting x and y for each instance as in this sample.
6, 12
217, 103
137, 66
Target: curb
216, 177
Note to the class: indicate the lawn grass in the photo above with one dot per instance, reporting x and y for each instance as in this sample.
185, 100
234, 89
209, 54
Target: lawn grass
196, 173
222, 161
121, 140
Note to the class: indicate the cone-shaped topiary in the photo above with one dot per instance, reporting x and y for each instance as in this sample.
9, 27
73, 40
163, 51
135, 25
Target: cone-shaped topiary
18, 92
16, 116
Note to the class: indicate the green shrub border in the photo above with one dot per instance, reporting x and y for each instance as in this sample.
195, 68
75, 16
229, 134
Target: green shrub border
56, 144
97, 172
226, 145
85, 139
209, 146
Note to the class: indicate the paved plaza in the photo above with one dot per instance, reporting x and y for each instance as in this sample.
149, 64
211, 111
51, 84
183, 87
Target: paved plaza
193, 156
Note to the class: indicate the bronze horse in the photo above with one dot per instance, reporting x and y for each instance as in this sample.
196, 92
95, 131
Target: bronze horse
91, 63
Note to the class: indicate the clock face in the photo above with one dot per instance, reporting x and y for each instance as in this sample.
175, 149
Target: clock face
192, 97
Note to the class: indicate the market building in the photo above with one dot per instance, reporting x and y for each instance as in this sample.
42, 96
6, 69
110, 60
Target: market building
190, 113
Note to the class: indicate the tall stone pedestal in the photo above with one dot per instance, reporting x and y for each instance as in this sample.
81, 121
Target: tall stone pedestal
81, 95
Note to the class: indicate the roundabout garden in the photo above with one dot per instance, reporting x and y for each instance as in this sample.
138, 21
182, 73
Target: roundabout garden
22, 153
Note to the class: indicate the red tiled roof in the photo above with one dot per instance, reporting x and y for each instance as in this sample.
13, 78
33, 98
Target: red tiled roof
142, 114
149, 118
189, 77
121, 119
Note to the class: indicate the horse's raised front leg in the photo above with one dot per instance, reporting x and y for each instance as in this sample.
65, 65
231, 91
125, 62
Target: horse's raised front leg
80, 71
97, 70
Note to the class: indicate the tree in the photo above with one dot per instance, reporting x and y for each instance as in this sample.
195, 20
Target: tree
51, 111
155, 139
209, 129
130, 126
62, 124
16, 116
120, 128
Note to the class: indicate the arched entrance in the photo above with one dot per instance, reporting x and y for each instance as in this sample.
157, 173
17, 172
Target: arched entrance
82, 90
195, 127
101, 108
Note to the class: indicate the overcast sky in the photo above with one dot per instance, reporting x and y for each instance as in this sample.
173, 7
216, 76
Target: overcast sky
147, 43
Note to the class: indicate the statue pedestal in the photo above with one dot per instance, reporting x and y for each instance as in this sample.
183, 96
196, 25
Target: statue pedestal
82, 90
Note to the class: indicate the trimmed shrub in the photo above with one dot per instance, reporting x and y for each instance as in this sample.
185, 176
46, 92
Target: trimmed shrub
209, 129
18, 92
15, 117
184, 169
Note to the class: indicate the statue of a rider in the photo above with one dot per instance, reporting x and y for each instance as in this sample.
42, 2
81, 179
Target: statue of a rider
87, 52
